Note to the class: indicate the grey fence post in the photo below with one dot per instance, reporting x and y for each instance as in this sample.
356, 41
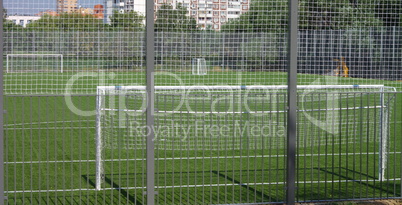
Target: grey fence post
1, 107
150, 67
292, 97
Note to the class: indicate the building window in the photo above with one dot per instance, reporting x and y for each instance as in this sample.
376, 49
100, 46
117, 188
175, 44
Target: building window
245, 7
223, 6
234, 6
223, 20
223, 13
21, 22
216, 26
216, 20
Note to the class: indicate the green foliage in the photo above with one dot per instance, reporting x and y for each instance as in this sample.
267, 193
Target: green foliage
263, 16
128, 21
67, 22
11, 26
389, 11
339, 14
174, 20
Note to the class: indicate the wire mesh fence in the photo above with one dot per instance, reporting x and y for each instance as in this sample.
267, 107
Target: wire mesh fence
97, 113
320, 53
350, 152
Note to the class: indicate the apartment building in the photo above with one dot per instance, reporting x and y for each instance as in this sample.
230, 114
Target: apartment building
212, 14
66, 6
209, 14
123, 6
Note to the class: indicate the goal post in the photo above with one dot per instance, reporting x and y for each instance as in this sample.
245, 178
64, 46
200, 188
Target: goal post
198, 66
238, 110
17, 63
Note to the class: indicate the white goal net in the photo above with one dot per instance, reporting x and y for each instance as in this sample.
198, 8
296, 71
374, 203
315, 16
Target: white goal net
243, 117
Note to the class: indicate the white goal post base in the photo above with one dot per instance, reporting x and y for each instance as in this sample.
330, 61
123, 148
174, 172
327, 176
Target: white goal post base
118, 108
17, 63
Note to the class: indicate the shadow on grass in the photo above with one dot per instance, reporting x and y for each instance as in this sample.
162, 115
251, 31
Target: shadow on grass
389, 189
122, 191
358, 185
234, 193
249, 188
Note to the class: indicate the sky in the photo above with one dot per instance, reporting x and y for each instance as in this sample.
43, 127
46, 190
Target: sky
30, 7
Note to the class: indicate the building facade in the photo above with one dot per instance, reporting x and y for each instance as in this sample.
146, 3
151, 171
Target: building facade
209, 14
212, 14
23, 20
66, 6
123, 6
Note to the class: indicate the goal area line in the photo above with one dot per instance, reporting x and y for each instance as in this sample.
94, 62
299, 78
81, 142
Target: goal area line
236, 112
204, 185
196, 158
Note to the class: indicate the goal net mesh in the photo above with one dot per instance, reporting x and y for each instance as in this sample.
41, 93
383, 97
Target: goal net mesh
241, 118
218, 119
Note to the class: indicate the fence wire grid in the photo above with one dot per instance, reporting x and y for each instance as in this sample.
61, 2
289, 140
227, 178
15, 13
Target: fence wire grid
200, 101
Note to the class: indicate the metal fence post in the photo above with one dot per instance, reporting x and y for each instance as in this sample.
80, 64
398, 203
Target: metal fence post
1, 107
292, 104
150, 67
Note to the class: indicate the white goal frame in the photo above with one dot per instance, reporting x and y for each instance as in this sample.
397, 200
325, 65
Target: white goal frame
383, 131
198, 66
8, 70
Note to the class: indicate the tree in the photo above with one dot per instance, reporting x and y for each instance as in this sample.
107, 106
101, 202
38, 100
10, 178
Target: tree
9, 25
127, 21
272, 16
337, 14
262, 16
389, 12
67, 22
174, 20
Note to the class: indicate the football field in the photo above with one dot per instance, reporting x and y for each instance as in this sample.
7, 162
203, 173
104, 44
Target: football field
219, 153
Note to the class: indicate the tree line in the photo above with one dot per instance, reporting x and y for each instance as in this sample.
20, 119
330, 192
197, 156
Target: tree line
263, 16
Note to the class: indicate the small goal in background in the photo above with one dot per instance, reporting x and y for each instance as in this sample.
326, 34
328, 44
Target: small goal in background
17, 63
198, 66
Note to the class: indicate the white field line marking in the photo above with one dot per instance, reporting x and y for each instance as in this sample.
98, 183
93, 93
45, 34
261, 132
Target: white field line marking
51, 122
194, 158
204, 185
235, 112
47, 128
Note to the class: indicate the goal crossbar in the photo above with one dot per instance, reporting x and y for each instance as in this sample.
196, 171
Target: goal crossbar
242, 87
